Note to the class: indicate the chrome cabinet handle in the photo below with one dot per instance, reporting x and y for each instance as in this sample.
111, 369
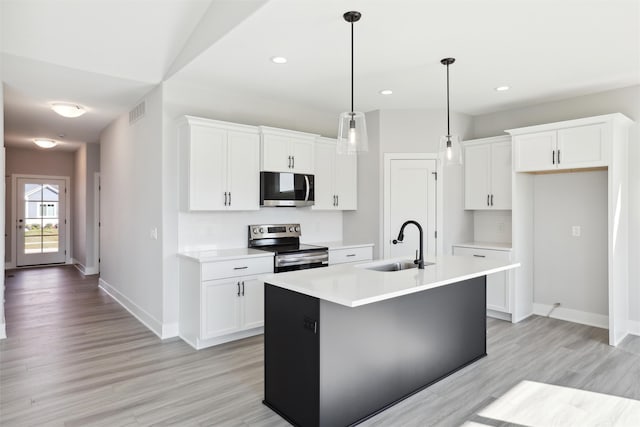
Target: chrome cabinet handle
308, 186
238, 288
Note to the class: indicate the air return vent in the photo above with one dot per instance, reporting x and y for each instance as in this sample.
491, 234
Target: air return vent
137, 113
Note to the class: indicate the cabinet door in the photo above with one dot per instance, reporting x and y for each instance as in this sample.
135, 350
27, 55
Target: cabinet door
501, 165
252, 303
582, 147
534, 152
476, 176
220, 308
276, 156
346, 182
302, 151
244, 171
324, 177
207, 168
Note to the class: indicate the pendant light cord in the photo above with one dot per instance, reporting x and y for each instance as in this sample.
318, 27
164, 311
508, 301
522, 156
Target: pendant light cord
352, 67
448, 124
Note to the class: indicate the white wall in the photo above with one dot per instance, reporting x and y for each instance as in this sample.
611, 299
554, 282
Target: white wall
571, 270
131, 179
2, 203
492, 226
625, 101
86, 163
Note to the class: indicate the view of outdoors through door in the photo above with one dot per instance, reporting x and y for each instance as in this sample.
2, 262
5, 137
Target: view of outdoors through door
41, 230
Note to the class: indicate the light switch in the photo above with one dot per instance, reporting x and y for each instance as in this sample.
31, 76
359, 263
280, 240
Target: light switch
575, 231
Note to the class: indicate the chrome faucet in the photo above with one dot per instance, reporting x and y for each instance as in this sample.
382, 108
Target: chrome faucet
419, 258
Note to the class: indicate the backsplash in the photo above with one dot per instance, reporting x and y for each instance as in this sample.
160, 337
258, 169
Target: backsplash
492, 226
225, 230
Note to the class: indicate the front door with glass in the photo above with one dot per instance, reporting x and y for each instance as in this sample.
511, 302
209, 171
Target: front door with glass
41, 224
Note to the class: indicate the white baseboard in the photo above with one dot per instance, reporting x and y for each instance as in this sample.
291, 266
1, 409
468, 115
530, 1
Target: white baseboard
9, 265
498, 315
3, 331
84, 270
634, 327
199, 344
571, 315
163, 331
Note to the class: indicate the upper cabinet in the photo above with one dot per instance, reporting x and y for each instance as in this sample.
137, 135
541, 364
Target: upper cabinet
286, 150
219, 165
336, 178
574, 144
487, 173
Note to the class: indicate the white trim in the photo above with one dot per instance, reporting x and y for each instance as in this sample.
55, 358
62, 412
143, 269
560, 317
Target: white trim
571, 315
498, 315
3, 331
82, 269
634, 327
96, 222
199, 344
386, 190
170, 330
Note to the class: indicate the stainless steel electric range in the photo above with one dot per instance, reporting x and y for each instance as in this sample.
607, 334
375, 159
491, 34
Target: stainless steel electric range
284, 241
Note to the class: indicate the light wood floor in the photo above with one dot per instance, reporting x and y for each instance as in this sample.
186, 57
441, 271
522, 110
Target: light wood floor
74, 357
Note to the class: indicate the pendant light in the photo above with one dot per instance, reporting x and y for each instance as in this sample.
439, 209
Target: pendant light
352, 131
450, 144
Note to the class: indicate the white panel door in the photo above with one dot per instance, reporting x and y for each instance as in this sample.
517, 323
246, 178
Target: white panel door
476, 176
324, 177
582, 147
243, 184
302, 151
276, 155
253, 303
412, 196
534, 152
41, 221
346, 183
501, 166
208, 169
220, 307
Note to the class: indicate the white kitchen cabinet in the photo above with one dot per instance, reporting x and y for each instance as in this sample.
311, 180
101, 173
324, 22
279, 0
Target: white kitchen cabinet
286, 150
345, 255
336, 178
221, 301
488, 173
499, 285
219, 165
579, 145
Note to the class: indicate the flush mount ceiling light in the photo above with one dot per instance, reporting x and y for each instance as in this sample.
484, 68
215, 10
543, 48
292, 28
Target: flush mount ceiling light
352, 130
450, 144
68, 110
278, 59
45, 143
386, 92
502, 88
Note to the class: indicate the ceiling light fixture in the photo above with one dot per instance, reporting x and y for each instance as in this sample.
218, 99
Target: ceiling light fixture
450, 144
386, 92
68, 110
352, 130
45, 143
278, 59
502, 88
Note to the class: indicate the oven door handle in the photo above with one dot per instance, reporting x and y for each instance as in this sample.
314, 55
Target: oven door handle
306, 180
301, 259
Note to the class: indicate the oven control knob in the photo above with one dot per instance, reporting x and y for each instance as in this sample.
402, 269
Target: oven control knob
255, 230
261, 230
291, 229
297, 228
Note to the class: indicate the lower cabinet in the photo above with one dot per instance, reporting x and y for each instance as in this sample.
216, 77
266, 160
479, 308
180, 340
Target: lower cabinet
499, 285
346, 255
218, 310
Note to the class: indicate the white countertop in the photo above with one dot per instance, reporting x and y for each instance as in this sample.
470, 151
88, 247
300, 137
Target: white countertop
485, 245
340, 244
353, 285
224, 254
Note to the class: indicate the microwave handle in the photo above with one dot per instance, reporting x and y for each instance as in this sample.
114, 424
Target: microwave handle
306, 180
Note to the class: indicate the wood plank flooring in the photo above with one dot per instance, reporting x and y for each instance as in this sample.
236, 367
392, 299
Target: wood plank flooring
74, 357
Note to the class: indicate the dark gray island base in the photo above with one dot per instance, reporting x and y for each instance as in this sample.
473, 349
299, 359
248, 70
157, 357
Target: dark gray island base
331, 365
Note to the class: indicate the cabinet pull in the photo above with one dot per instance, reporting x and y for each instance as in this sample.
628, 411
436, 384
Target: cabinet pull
349, 255
229, 198
488, 200
558, 156
289, 165
225, 198
479, 256
337, 200
334, 200
238, 288
491, 199
240, 268
553, 157
243, 288
293, 162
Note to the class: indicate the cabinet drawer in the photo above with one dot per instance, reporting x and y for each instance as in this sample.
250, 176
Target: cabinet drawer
237, 267
482, 253
340, 256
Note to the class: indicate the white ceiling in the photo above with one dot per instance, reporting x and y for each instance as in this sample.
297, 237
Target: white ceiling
106, 54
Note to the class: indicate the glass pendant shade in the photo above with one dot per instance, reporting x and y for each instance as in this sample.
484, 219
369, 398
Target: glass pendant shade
352, 133
451, 150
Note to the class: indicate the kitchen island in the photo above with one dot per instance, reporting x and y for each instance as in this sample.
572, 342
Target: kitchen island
345, 342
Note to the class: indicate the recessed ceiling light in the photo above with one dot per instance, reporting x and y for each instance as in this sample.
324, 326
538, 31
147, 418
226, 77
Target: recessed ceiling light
502, 88
386, 92
45, 143
68, 110
279, 60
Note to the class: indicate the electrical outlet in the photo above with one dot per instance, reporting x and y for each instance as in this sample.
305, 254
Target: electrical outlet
153, 233
575, 231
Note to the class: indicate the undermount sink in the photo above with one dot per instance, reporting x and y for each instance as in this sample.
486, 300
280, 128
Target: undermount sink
396, 266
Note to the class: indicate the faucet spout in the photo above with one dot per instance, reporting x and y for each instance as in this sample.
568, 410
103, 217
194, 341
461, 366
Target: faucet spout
420, 260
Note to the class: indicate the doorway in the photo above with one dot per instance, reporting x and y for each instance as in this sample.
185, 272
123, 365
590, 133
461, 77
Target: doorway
40, 214
410, 192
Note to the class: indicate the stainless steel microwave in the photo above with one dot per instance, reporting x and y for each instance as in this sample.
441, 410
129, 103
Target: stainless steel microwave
286, 189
